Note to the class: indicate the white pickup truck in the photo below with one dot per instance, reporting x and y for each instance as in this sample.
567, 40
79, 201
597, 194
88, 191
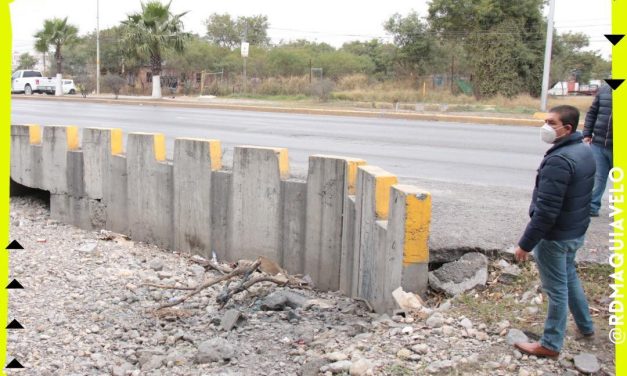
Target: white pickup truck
32, 81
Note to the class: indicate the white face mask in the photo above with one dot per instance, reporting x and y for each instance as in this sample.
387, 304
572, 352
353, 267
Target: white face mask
548, 133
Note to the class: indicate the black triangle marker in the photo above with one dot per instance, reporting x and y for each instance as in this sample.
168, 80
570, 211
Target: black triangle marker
14, 364
15, 325
614, 38
15, 285
614, 84
15, 245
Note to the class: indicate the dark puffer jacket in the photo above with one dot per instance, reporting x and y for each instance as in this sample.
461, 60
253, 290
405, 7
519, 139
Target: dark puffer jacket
560, 207
598, 123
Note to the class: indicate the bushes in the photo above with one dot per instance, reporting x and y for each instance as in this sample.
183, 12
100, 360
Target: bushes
85, 84
339, 63
353, 82
114, 83
322, 89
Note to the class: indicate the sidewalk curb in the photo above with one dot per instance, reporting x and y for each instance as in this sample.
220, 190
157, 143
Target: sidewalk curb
301, 110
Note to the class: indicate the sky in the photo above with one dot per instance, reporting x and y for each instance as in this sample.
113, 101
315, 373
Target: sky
331, 21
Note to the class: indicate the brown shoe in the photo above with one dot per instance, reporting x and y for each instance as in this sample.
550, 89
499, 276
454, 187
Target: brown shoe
583, 336
535, 348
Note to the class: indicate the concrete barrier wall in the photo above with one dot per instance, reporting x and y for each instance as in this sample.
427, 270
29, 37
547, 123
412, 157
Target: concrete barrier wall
196, 159
349, 226
150, 190
255, 219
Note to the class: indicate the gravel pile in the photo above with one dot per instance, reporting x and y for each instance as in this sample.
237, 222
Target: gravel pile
86, 312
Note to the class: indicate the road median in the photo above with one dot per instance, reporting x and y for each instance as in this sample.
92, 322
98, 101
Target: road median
475, 119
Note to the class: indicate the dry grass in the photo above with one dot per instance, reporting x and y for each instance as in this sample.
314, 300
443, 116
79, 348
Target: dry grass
501, 302
443, 100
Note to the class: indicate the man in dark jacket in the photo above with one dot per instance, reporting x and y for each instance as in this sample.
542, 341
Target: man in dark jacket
598, 133
559, 214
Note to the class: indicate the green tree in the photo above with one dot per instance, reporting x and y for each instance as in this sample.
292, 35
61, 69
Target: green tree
480, 26
114, 83
312, 48
383, 55
416, 45
197, 56
340, 63
570, 59
285, 61
42, 46
150, 33
58, 33
81, 58
26, 61
226, 31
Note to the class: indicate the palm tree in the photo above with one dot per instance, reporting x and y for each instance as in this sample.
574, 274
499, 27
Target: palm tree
41, 46
56, 32
152, 31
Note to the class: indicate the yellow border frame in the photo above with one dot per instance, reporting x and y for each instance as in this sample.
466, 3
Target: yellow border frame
5, 153
619, 70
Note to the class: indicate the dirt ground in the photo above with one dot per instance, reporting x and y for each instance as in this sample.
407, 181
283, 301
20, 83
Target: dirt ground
87, 309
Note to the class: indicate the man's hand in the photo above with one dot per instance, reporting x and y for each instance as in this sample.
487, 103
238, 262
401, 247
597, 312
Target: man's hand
521, 255
587, 140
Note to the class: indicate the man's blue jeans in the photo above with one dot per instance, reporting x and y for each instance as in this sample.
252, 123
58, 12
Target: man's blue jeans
556, 264
604, 162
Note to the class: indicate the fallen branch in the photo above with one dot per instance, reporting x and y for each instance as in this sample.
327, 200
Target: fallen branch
244, 285
208, 264
241, 269
168, 287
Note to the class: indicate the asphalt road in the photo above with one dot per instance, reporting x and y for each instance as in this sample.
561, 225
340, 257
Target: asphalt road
480, 176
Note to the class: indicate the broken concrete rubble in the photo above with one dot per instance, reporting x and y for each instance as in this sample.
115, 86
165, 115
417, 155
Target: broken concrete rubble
278, 300
453, 278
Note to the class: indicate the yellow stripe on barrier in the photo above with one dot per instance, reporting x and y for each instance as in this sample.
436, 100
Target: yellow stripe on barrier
34, 134
383, 183
352, 165
417, 221
215, 152
159, 147
71, 134
284, 164
117, 141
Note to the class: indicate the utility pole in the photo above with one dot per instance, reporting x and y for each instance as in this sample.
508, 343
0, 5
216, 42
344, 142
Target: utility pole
452, 71
547, 56
245, 52
97, 47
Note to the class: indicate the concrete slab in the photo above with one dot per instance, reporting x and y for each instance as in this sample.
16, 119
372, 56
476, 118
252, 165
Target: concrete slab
371, 204
327, 181
220, 200
347, 261
81, 212
194, 160
115, 195
150, 190
98, 144
294, 216
26, 149
56, 142
75, 174
408, 241
255, 219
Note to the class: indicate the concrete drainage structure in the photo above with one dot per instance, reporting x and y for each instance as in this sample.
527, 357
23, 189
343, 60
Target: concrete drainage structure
350, 226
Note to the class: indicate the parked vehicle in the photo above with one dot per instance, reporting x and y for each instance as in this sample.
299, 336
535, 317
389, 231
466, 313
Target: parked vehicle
68, 87
32, 81
575, 88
